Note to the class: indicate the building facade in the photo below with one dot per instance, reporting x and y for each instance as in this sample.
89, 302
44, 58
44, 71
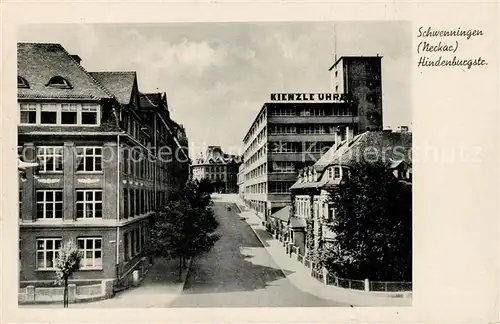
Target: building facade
99, 178
310, 193
218, 167
288, 136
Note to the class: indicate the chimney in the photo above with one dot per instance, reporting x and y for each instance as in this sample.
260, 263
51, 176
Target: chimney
77, 58
337, 137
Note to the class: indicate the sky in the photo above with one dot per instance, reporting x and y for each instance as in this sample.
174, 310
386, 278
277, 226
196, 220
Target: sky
217, 76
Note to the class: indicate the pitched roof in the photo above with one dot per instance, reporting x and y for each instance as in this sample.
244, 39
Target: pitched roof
120, 84
282, 214
384, 146
37, 63
150, 100
214, 154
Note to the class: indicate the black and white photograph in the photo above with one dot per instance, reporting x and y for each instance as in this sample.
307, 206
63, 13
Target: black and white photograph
215, 165
249, 162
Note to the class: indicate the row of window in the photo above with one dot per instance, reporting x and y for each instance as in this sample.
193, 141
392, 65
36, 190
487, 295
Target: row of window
49, 204
137, 201
280, 186
259, 188
255, 126
51, 158
256, 156
257, 172
48, 250
134, 241
255, 142
337, 110
60, 114
138, 165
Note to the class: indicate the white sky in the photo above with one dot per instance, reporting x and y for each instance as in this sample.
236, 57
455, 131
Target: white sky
218, 75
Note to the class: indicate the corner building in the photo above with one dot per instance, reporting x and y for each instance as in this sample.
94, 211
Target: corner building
82, 128
288, 136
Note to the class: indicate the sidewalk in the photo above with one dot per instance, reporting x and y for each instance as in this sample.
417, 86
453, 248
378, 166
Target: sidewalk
299, 274
159, 288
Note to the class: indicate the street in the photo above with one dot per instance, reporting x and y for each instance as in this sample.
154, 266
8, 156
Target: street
239, 272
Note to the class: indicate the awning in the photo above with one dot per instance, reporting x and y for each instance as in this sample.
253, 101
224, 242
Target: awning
283, 214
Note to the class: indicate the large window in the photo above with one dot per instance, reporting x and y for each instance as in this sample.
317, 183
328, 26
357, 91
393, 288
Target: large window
28, 113
49, 204
51, 158
91, 248
283, 167
69, 114
90, 113
89, 159
48, 114
89, 203
47, 251
66, 114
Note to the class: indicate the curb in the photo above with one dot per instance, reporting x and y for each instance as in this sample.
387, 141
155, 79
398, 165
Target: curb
404, 297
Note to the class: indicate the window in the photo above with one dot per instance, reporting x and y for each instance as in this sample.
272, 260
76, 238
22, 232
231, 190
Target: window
89, 204
126, 252
22, 83
69, 114
59, 82
283, 167
28, 113
132, 243
125, 202
91, 248
48, 114
89, 159
20, 203
330, 173
49, 204
47, 251
89, 114
336, 172
51, 158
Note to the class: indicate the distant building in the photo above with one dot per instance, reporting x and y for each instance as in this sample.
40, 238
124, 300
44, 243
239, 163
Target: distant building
310, 198
288, 136
87, 132
218, 167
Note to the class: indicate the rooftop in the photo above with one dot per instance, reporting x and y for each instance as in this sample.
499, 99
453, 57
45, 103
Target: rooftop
120, 84
37, 63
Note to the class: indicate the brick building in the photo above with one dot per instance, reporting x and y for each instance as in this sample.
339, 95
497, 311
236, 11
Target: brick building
87, 132
218, 167
288, 136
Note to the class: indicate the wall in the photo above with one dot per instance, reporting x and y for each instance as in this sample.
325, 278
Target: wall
28, 251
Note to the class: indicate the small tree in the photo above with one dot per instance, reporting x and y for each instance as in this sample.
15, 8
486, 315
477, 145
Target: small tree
67, 262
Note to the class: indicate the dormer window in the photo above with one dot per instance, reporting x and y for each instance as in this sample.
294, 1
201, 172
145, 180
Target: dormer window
22, 83
330, 173
315, 176
59, 82
336, 172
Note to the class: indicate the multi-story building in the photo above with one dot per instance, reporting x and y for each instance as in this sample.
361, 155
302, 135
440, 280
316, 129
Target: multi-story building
288, 136
361, 78
98, 180
310, 193
218, 167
